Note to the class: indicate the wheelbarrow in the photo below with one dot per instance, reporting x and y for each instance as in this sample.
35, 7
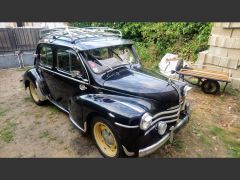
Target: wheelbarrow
208, 80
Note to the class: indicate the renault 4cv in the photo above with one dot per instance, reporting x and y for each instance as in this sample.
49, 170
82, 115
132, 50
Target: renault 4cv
96, 77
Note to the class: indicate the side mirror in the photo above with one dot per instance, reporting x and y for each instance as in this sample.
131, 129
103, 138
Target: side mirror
75, 73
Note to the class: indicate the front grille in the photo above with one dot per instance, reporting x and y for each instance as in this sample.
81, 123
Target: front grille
171, 115
168, 116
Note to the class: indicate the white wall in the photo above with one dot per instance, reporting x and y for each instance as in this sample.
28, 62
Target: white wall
34, 24
8, 24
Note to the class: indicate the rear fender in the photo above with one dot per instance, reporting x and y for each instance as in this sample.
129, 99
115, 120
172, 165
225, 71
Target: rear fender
32, 76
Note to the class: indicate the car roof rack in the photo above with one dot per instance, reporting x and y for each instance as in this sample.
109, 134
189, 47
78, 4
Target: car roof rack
74, 34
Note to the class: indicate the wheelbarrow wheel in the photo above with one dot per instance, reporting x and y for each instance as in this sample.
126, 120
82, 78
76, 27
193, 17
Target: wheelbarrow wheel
210, 87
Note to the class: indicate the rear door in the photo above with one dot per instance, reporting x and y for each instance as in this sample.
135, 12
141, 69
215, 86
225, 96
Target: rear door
71, 77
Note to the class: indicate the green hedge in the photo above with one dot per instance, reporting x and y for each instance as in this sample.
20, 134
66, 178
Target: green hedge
153, 40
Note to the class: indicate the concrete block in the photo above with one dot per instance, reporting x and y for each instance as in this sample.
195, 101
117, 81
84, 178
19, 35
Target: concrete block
212, 67
225, 42
236, 43
220, 41
218, 51
223, 62
225, 24
216, 60
209, 59
232, 63
229, 43
235, 73
235, 33
235, 84
233, 53
217, 24
219, 31
212, 40
234, 25
201, 57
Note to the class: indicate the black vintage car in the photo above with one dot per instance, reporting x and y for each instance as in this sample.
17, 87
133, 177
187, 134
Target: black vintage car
96, 77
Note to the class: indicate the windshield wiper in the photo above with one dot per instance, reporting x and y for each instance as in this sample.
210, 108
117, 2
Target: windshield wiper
116, 54
101, 64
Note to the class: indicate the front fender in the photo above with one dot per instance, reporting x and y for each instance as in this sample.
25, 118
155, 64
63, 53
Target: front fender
124, 110
117, 109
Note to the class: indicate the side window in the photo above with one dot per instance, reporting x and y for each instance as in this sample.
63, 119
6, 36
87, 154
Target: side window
46, 56
67, 61
63, 63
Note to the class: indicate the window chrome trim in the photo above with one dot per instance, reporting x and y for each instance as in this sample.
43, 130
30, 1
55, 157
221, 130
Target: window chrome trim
63, 75
80, 58
126, 126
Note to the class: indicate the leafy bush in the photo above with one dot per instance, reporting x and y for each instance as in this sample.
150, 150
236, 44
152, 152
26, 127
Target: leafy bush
153, 40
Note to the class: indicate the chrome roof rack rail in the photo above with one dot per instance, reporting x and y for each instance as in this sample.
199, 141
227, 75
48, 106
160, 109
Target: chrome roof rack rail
74, 34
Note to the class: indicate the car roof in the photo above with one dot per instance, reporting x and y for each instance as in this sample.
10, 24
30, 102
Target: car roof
84, 38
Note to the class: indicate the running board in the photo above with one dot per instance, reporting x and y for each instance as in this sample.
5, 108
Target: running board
56, 104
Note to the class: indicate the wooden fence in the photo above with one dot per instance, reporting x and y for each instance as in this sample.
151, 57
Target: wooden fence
18, 39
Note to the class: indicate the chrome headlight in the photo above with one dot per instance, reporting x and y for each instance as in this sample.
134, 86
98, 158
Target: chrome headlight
146, 121
186, 89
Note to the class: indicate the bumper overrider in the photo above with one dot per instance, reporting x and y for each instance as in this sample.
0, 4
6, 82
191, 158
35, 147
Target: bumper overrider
167, 137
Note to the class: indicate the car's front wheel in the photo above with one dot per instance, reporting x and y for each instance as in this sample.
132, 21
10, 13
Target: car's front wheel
106, 138
34, 94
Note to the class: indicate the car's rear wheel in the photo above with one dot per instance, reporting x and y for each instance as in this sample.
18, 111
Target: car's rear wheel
34, 94
106, 138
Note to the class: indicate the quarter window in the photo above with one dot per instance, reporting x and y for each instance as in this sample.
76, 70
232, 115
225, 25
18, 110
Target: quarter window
46, 56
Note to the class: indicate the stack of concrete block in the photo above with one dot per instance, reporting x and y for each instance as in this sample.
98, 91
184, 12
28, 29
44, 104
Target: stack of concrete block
224, 51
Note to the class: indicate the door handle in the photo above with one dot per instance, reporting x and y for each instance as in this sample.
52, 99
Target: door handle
82, 87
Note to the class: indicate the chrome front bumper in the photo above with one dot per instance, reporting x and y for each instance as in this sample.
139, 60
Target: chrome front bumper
150, 149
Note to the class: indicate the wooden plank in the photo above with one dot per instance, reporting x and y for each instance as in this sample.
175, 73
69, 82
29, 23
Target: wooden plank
212, 71
207, 77
205, 74
207, 71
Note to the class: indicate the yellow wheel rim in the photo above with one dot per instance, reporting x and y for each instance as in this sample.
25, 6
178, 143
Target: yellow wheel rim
105, 139
34, 92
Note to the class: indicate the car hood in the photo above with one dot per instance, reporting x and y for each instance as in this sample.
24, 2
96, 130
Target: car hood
144, 84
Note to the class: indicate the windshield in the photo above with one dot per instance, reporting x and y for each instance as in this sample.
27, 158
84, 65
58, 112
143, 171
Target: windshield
107, 58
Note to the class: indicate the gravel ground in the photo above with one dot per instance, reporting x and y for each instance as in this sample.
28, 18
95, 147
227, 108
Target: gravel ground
28, 130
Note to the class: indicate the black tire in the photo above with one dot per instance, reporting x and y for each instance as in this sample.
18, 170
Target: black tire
119, 150
33, 93
210, 87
